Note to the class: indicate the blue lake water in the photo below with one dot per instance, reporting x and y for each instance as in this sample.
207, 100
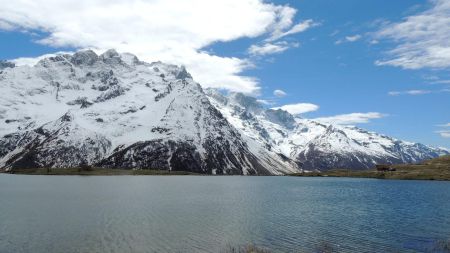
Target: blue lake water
212, 214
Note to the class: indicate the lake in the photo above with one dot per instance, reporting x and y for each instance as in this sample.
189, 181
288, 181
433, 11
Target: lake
212, 214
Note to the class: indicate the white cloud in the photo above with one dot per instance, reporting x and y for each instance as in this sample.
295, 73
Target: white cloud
298, 108
171, 30
423, 40
409, 92
444, 133
279, 93
268, 48
280, 31
6, 26
394, 93
265, 102
351, 118
417, 92
440, 82
352, 38
334, 33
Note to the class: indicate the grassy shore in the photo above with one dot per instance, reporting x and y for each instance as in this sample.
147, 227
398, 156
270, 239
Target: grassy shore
435, 169
97, 172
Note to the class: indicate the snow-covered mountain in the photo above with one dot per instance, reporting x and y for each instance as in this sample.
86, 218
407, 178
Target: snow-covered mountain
115, 111
315, 145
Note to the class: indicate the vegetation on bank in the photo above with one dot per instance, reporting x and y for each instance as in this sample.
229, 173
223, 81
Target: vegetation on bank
434, 169
93, 171
441, 246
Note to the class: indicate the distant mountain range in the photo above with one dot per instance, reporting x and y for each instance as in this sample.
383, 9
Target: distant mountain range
115, 111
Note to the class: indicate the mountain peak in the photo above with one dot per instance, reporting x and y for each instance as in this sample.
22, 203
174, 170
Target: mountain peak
316, 145
115, 111
111, 57
87, 57
280, 117
247, 102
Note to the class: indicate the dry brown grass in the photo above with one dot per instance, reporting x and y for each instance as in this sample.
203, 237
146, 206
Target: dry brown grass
435, 169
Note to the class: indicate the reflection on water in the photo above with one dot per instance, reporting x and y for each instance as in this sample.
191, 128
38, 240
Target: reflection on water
210, 214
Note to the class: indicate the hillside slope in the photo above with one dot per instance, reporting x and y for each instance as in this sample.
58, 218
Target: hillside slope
317, 146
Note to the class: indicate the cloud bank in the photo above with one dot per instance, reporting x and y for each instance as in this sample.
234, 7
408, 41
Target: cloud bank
351, 118
423, 40
271, 48
299, 108
168, 30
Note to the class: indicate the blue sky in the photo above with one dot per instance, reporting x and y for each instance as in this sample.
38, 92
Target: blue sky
342, 61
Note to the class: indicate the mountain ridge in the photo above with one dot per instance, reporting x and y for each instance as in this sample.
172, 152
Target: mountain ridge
115, 111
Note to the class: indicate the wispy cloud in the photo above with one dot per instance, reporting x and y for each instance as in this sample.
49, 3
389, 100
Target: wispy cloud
279, 93
265, 102
423, 40
351, 38
416, 92
271, 48
298, 28
445, 132
284, 27
440, 82
299, 108
351, 118
409, 92
171, 31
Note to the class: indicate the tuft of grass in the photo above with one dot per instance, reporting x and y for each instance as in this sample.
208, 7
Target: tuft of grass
246, 249
442, 246
325, 247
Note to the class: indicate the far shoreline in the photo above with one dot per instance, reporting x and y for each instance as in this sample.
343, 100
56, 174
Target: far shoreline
437, 169
98, 172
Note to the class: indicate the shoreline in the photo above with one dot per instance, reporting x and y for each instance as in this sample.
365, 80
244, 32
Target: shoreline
370, 174
97, 172
437, 169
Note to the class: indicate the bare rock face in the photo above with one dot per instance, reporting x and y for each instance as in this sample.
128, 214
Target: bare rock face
6, 64
87, 57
